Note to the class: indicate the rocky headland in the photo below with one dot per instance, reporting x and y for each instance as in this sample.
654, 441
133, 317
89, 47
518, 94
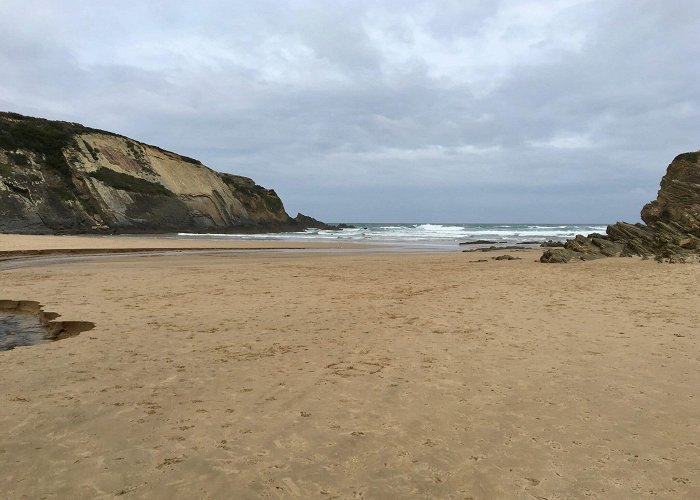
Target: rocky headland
60, 177
671, 229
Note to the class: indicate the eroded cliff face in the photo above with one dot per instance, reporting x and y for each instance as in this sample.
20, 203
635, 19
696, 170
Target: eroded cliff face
672, 223
64, 177
679, 197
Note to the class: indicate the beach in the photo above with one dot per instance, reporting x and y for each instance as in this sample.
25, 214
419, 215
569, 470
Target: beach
323, 371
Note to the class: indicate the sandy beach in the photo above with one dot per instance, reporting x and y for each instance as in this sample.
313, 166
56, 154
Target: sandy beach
29, 243
352, 375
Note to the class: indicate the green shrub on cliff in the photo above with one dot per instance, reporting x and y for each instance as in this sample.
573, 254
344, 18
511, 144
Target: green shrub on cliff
5, 170
273, 202
253, 194
126, 182
42, 137
19, 159
693, 157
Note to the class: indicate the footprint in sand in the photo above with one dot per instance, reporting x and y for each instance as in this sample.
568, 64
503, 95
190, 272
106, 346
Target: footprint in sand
354, 368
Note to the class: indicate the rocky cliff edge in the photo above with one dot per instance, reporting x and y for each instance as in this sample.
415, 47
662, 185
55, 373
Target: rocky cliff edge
671, 229
60, 177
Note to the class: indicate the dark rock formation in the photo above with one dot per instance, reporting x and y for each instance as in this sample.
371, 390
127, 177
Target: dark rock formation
307, 222
552, 244
556, 256
478, 242
492, 248
59, 177
671, 231
505, 257
678, 201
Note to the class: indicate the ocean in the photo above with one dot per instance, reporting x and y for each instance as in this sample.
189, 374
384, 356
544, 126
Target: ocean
439, 236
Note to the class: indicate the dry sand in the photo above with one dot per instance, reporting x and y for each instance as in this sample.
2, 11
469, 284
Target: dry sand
355, 375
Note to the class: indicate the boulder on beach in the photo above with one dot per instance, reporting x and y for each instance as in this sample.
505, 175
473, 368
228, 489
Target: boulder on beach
506, 257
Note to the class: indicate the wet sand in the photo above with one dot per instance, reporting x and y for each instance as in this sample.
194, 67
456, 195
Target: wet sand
354, 375
33, 244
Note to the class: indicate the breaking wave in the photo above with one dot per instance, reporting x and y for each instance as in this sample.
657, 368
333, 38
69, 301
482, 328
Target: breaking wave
431, 234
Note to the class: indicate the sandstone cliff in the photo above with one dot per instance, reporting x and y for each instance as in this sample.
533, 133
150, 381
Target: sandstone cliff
672, 223
64, 177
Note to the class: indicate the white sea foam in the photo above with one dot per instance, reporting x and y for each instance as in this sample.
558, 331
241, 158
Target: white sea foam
426, 234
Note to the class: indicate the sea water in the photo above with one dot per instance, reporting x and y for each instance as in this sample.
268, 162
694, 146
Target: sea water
430, 235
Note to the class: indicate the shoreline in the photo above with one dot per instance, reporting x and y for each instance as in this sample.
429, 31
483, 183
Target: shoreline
45, 243
18, 245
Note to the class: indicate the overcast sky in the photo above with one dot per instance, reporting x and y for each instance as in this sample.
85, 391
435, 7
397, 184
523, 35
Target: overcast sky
452, 111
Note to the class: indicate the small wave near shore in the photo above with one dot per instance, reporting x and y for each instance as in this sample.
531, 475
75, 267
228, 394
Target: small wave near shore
434, 235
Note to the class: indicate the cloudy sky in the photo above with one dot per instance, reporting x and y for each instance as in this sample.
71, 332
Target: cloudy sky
452, 111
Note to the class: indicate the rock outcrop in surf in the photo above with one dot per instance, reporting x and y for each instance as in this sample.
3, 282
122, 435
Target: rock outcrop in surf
671, 229
60, 177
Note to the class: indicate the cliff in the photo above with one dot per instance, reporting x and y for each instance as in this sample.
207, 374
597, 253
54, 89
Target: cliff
64, 177
671, 229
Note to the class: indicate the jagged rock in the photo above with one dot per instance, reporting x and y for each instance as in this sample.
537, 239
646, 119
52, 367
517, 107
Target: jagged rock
306, 222
552, 244
64, 177
556, 256
689, 243
678, 200
607, 247
672, 229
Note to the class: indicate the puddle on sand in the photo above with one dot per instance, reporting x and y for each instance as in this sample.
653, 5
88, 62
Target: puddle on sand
25, 323
17, 329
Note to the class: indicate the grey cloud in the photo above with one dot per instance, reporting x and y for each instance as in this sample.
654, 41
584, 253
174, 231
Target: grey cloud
472, 111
